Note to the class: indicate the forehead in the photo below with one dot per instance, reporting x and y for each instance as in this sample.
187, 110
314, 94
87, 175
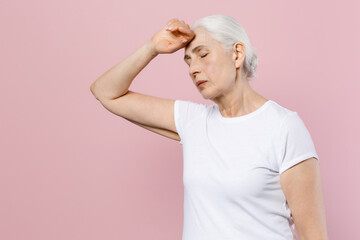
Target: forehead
202, 38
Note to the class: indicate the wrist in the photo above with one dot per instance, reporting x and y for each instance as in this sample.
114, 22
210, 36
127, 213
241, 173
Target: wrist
151, 46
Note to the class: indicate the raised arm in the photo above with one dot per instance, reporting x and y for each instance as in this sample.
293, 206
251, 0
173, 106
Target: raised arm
116, 81
111, 88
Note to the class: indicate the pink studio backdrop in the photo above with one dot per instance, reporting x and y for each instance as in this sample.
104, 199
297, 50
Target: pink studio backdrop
70, 169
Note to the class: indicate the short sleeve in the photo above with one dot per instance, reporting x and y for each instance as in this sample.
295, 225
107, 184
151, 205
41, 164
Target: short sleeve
185, 112
296, 144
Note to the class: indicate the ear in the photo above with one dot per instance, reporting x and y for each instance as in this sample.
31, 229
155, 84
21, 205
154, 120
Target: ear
238, 53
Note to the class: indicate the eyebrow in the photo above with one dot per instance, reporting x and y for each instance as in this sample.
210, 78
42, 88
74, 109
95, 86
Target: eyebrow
194, 50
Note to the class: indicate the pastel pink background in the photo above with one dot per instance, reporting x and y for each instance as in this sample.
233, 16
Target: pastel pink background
70, 169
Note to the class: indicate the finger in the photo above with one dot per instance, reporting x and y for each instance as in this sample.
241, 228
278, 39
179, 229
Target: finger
183, 30
172, 21
186, 31
171, 25
171, 28
184, 41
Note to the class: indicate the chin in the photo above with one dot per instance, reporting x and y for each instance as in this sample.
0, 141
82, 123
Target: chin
206, 95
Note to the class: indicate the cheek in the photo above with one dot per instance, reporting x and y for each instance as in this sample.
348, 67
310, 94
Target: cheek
210, 69
218, 72
213, 70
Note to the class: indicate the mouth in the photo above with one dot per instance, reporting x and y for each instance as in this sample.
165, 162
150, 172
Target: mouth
200, 83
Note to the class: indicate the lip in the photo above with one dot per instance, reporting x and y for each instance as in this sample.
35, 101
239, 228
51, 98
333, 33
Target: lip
199, 82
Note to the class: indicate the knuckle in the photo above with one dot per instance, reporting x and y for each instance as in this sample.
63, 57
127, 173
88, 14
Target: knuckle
171, 20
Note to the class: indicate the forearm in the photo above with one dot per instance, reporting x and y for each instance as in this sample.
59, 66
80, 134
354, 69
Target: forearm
116, 81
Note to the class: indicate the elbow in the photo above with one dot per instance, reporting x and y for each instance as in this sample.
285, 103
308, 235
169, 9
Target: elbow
92, 86
92, 90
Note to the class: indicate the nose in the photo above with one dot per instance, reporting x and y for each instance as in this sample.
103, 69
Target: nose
194, 69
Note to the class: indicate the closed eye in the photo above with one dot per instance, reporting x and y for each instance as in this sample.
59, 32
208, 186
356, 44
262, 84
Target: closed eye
186, 58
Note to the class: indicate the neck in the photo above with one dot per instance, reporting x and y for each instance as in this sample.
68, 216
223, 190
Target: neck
240, 100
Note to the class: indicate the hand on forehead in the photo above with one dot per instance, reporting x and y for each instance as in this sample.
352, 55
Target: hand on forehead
202, 37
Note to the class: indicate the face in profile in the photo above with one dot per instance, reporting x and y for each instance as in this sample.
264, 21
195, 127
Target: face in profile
209, 61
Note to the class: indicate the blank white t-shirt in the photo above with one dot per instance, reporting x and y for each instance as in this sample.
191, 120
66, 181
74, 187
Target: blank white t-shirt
232, 170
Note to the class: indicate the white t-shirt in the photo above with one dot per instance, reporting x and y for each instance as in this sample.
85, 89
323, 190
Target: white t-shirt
232, 170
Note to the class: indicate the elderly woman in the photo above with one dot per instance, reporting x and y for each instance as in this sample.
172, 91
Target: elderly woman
250, 166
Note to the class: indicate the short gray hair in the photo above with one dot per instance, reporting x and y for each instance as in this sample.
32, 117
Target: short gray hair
228, 31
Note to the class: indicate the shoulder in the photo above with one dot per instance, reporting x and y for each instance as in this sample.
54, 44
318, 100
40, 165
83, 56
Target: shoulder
190, 105
187, 111
280, 111
190, 109
274, 116
288, 118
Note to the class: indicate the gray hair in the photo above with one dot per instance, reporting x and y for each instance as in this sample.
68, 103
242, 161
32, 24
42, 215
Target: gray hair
228, 31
